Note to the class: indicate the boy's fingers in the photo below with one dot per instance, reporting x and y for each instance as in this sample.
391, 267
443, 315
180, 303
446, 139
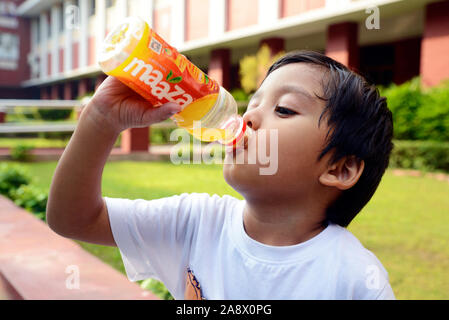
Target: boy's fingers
171, 107
158, 114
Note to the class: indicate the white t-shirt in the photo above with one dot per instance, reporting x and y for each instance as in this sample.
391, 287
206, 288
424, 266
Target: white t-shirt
203, 236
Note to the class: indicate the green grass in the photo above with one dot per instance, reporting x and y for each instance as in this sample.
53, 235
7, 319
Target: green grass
33, 142
406, 224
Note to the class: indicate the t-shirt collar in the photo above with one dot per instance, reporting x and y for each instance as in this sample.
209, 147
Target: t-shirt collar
279, 254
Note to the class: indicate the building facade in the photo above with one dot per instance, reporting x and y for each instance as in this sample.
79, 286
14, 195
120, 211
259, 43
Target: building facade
48, 47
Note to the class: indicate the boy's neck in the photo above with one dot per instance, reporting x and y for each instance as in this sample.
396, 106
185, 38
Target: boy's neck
281, 225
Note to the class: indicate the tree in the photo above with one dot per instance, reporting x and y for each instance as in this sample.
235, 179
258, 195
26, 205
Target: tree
253, 68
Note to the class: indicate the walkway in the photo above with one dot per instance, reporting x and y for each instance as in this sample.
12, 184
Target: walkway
36, 263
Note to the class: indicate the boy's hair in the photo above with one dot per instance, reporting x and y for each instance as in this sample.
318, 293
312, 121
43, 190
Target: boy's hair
360, 125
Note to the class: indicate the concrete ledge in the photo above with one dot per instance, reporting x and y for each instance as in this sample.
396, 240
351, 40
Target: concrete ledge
36, 263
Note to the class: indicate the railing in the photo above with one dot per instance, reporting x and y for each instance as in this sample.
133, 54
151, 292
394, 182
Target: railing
9, 106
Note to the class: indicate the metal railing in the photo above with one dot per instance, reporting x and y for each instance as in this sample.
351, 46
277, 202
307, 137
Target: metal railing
9, 106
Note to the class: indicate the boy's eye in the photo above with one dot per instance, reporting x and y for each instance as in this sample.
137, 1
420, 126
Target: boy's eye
284, 111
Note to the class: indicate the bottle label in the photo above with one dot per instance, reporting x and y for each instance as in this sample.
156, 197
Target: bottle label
161, 74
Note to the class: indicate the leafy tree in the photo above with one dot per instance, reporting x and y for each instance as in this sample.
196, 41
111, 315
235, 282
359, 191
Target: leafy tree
253, 68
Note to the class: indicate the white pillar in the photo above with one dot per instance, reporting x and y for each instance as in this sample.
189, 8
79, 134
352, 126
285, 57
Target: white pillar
84, 32
147, 13
33, 54
217, 18
178, 25
100, 21
43, 24
70, 23
268, 11
55, 26
122, 8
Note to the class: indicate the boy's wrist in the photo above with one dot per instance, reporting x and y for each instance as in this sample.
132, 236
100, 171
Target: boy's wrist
98, 120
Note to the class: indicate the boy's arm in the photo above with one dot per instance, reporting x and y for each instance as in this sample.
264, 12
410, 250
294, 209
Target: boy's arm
75, 205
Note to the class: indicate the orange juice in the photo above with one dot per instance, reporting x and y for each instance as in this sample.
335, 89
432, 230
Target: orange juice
195, 111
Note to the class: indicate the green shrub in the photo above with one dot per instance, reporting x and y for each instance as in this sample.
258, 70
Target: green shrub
404, 101
55, 114
161, 135
53, 135
419, 114
15, 184
420, 155
11, 178
434, 114
239, 95
32, 199
157, 288
21, 152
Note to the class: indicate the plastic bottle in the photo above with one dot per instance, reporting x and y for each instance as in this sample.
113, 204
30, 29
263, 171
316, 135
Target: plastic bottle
142, 60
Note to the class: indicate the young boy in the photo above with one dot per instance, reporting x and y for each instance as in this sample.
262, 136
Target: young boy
287, 239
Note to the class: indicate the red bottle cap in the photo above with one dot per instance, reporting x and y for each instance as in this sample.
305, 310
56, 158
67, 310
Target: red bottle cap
242, 130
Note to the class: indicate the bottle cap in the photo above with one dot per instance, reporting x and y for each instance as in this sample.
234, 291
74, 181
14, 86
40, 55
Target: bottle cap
240, 132
120, 42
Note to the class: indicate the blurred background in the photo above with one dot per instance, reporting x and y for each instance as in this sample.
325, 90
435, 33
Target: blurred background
48, 68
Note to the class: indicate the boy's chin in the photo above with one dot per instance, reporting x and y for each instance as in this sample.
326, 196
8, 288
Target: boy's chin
241, 177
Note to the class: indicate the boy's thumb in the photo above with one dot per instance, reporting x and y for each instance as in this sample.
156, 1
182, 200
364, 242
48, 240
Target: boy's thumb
165, 111
171, 108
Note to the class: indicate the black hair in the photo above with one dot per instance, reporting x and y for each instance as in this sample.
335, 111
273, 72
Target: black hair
360, 125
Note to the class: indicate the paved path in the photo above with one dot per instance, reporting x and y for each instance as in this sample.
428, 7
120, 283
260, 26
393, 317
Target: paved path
36, 263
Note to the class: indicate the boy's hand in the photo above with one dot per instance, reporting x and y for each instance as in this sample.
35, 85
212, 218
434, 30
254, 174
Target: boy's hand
119, 107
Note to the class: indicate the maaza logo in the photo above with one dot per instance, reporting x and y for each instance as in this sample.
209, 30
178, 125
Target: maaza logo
154, 79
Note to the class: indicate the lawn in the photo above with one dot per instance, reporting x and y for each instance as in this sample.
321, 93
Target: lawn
406, 224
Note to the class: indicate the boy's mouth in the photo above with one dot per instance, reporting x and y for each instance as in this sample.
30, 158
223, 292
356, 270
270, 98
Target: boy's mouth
239, 146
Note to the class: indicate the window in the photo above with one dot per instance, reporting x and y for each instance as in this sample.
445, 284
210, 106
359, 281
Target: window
38, 32
48, 26
110, 3
9, 46
377, 63
91, 7
61, 20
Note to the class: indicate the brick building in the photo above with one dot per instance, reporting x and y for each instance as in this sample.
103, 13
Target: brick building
48, 47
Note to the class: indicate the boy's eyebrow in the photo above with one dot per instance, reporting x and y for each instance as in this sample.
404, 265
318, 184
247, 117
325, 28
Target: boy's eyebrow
287, 88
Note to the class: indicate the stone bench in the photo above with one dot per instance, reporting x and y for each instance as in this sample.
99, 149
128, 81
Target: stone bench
36, 263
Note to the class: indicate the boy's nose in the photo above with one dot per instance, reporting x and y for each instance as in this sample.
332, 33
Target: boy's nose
251, 119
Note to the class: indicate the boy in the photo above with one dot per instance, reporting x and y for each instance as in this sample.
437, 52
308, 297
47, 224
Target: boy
287, 239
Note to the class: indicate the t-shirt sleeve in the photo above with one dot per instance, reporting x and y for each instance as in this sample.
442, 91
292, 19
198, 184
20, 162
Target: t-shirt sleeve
154, 236
386, 293
361, 275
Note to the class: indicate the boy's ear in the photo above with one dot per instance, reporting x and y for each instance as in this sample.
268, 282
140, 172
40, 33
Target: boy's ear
343, 174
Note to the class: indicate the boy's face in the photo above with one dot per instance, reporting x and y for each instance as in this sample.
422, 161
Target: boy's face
299, 138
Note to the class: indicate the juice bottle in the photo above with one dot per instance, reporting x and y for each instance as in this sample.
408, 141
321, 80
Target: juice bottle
141, 59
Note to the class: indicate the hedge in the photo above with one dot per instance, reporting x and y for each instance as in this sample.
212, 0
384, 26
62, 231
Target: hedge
15, 184
417, 155
418, 113
420, 155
